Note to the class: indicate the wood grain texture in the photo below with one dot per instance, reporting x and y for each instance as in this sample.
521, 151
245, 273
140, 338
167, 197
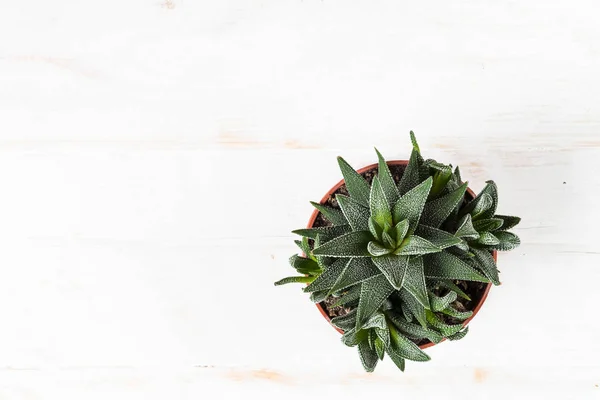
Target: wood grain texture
154, 157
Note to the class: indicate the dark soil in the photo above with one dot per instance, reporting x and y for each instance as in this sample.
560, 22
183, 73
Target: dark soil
474, 290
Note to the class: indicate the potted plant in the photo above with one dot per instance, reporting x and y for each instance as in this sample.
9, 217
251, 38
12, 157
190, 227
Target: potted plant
400, 255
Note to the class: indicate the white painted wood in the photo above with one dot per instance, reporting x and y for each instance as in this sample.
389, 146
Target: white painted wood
154, 157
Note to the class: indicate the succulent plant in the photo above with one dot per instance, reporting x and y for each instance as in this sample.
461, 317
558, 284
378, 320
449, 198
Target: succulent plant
394, 252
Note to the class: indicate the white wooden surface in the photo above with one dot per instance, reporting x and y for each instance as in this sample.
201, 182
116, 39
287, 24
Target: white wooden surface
154, 157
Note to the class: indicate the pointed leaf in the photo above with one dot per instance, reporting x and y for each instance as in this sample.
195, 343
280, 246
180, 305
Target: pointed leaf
488, 239
487, 265
353, 337
447, 266
414, 281
414, 306
387, 181
412, 173
388, 241
355, 213
368, 357
324, 231
484, 203
413, 140
401, 229
396, 358
319, 296
465, 228
393, 267
379, 348
375, 229
331, 214
451, 286
295, 279
405, 347
357, 270
377, 320
380, 208
356, 185
461, 315
487, 225
489, 190
353, 244
305, 265
353, 294
437, 237
440, 303
303, 245
457, 175
436, 211
459, 335
437, 323
414, 331
328, 277
374, 291
410, 206
509, 221
416, 245
345, 322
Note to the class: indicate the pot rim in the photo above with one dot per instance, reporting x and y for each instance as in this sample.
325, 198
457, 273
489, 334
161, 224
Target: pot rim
313, 217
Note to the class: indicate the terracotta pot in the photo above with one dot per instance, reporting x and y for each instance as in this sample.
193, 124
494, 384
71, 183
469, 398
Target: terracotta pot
313, 217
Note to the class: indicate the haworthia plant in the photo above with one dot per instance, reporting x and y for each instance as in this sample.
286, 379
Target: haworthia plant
393, 253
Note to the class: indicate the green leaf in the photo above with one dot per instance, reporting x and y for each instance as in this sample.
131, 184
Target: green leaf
508, 241
447, 266
357, 270
487, 225
377, 320
374, 291
451, 286
352, 295
509, 221
380, 208
401, 229
319, 296
326, 280
387, 181
465, 228
375, 229
331, 214
459, 335
412, 173
413, 140
437, 237
375, 249
405, 347
485, 210
482, 206
416, 245
324, 231
440, 303
305, 265
414, 331
410, 206
415, 283
353, 244
415, 307
304, 246
461, 315
457, 176
436, 211
353, 337
393, 267
388, 241
368, 357
356, 185
355, 213
345, 322
488, 239
295, 279
445, 329
396, 358
487, 265
379, 348
440, 178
